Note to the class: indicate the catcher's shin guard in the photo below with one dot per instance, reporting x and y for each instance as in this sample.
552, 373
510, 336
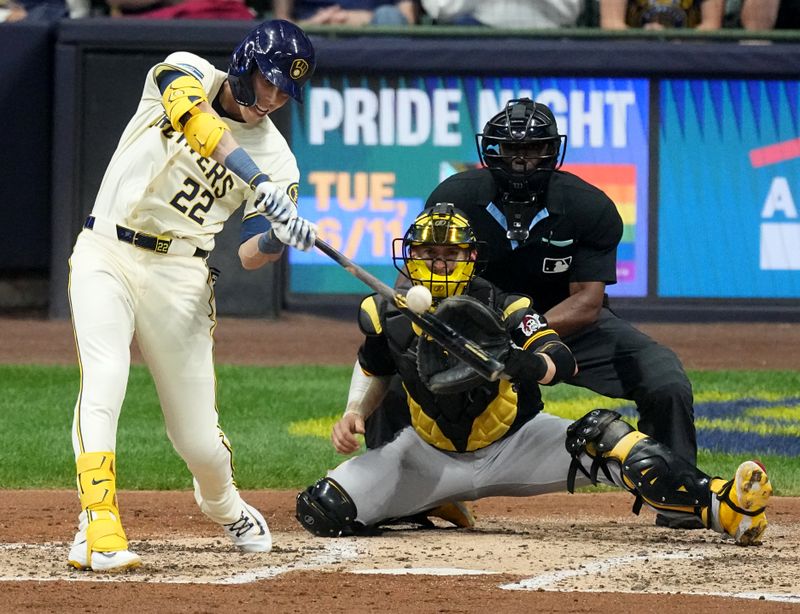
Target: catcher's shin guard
645, 467
97, 487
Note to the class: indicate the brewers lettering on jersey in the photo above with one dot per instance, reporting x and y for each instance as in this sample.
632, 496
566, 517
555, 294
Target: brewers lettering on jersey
200, 145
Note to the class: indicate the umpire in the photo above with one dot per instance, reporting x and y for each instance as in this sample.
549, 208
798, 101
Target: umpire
554, 237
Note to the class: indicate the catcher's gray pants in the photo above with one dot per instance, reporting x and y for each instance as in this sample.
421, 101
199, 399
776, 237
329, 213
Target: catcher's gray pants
407, 475
615, 360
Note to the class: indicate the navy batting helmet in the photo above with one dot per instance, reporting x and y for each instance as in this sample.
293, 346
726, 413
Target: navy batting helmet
282, 53
519, 143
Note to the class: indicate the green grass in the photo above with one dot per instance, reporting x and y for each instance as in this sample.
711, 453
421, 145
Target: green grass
278, 420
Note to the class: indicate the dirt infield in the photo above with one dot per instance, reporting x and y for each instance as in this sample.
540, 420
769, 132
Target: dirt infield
557, 553
301, 338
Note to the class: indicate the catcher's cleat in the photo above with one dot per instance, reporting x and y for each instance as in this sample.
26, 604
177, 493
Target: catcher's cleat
250, 533
686, 522
738, 505
456, 513
109, 562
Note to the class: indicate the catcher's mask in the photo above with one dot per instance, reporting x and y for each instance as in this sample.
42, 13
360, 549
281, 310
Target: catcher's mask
438, 251
521, 146
281, 52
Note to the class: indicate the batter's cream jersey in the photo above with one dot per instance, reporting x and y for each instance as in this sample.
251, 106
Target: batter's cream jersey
155, 182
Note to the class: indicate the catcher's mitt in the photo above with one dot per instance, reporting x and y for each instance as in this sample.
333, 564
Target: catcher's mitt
445, 374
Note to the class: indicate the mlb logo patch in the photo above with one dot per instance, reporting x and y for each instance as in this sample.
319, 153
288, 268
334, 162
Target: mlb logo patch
556, 265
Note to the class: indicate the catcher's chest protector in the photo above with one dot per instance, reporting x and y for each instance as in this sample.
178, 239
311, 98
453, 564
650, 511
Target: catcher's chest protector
459, 422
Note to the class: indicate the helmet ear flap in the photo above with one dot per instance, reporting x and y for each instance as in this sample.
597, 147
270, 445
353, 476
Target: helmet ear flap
242, 87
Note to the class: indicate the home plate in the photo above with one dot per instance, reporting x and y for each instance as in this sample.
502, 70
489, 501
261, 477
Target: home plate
426, 571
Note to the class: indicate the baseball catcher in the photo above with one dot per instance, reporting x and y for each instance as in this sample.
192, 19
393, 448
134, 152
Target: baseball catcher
471, 438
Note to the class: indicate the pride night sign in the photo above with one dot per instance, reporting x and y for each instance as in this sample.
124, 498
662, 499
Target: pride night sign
371, 149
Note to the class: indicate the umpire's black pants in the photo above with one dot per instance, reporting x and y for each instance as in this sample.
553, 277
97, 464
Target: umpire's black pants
615, 360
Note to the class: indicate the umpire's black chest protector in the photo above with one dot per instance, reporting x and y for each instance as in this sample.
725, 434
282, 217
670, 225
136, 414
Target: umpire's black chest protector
574, 235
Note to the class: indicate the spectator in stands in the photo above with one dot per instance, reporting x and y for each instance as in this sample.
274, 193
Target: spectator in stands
32, 10
115, 8
536, 14
788, 15
661, 14
163, 9
347, 12
751, 14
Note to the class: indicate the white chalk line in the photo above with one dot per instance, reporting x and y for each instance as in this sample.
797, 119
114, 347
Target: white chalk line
336, 551
586, 569
546, 581
424, 571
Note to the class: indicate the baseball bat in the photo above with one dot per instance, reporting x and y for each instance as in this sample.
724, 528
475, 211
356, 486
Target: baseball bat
454, 342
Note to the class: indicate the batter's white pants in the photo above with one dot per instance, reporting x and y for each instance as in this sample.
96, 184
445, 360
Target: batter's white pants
117, 290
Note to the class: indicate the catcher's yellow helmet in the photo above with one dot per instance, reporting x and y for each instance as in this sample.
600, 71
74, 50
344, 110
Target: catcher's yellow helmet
438, 251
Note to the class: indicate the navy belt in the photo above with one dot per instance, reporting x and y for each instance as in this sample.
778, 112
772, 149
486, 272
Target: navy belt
143, 240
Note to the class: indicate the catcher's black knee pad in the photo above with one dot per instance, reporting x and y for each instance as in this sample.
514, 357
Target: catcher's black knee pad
602, 428
597, 432
325, 509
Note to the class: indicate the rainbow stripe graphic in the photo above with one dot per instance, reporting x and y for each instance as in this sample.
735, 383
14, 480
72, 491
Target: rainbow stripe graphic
618, 181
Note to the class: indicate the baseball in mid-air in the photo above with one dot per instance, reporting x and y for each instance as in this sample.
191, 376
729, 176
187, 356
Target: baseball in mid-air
419, 299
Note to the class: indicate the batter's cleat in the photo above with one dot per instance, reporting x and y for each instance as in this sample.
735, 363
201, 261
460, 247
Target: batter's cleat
108, 562
456, 513
739, 504
250, 533
100, 535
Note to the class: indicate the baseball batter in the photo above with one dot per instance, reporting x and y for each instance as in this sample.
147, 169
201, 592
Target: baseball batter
470, 438
199, 146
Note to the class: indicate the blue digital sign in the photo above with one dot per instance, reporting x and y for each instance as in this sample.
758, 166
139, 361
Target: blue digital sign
729, 168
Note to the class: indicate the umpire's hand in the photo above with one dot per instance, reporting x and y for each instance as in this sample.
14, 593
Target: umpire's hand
344, 431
